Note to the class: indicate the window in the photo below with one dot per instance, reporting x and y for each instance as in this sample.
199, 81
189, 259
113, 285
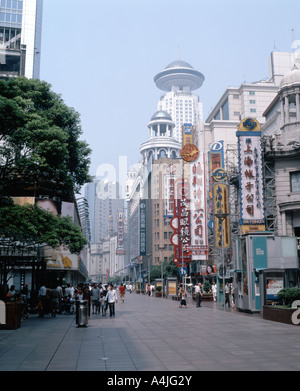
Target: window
295, 181
252, 101
225, 109
252, 110
251, 92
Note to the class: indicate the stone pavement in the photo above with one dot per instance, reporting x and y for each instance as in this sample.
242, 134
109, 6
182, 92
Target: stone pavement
152, 334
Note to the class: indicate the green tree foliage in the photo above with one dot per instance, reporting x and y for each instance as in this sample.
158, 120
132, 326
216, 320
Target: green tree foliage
169, 270
23, 228
39, 139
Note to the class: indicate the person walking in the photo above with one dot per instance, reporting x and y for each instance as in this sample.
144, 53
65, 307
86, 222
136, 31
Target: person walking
105, 304
199, 294
182, 296
227, 293
42, 301
95, 298
148, 289
214, 291
54, 301
122, 293
111, 298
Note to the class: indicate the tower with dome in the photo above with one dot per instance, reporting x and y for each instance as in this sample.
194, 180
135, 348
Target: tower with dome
178, 80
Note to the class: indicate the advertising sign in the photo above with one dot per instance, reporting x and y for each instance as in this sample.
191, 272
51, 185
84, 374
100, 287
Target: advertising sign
142, 227
187, 134
251, 173
221, 206
198, 205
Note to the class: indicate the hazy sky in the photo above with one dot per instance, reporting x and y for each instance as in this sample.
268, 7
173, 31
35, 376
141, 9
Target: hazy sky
102, 56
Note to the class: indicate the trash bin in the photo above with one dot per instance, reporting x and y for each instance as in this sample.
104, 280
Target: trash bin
81, 313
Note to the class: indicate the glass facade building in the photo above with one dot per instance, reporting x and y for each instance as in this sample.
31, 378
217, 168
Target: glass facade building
20, 38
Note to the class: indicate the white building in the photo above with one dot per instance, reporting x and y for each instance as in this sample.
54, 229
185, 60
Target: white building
179, 79
20, 38
247, 100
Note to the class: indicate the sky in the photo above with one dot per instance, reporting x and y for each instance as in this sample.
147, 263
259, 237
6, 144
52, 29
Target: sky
101, 56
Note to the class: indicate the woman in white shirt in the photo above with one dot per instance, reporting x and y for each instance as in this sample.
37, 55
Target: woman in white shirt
111, 298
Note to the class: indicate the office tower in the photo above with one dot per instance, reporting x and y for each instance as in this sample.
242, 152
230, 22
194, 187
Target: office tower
20, 38
179, 79
104, 204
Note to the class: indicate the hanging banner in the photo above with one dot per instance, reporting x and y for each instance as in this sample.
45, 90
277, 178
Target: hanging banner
120, 238
251, 176
187, 134
181, 223
142, 227
198, 207
221, 205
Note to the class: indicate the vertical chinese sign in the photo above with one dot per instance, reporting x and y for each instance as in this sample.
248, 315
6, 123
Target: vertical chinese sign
142, 227
251, 176
198, 245
120, 244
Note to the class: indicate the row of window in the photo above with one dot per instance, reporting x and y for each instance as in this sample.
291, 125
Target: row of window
12, 4
10, 17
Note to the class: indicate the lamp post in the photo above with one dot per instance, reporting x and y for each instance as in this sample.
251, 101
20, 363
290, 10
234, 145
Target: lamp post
162, 271
222, 217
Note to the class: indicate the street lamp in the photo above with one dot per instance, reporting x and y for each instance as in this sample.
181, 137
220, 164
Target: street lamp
222, 217
162, 271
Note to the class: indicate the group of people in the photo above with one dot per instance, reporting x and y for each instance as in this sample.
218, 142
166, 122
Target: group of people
100, 298
228, 291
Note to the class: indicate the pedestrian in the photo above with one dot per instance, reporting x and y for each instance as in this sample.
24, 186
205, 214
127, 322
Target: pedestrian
95, 291
24, 296
214, 291
42, 301
152, 289
148, 289
122, 293
111, 298
54, 301
182, 296
227, 293
199, 294
105, 304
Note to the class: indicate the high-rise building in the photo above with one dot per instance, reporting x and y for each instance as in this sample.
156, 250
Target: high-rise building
179, 79
104, 204
20, 38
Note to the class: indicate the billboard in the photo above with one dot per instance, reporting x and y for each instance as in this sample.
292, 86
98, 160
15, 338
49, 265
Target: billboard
142, 227
198, 206
251, 175
221, 206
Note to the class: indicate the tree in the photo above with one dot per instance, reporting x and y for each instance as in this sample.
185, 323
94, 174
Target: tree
169, 270
39, 139
24, 229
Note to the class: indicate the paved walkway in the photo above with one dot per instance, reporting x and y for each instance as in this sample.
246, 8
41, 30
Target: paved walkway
152, 334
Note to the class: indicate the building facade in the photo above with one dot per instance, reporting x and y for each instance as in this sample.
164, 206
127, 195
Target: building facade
20, 38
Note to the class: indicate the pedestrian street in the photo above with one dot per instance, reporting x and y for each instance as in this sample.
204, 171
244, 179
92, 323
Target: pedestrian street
152, 334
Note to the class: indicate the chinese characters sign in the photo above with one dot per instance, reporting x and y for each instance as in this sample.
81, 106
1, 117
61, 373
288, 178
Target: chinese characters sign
198, 204
251, 173
142, 227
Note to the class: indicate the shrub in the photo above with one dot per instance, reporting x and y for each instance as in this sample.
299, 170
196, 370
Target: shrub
288, 295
